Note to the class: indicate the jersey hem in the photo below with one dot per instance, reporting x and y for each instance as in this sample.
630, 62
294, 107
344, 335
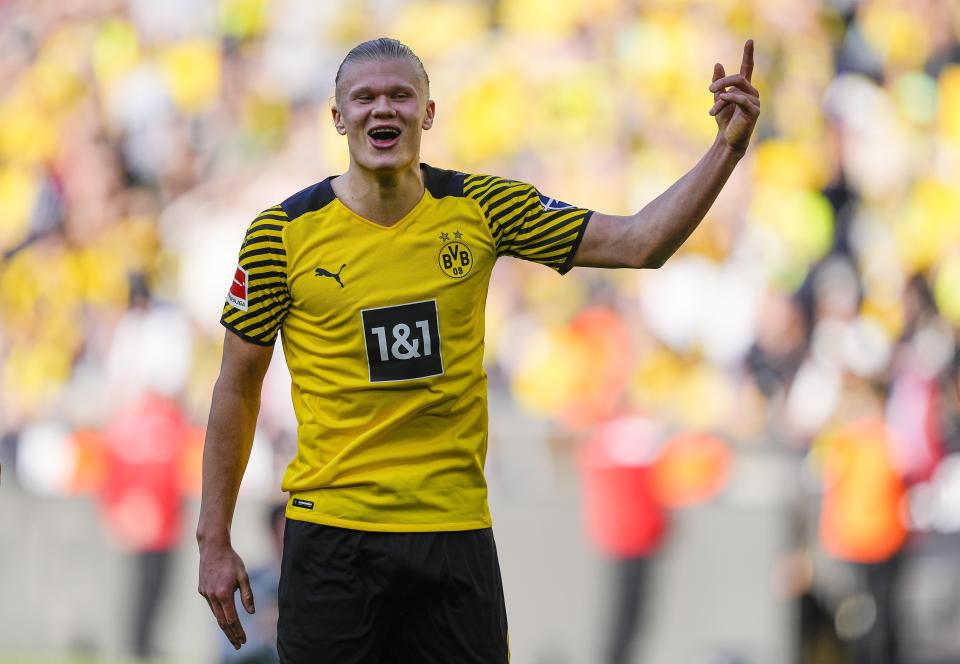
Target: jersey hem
568, 264
299, 514
245, 336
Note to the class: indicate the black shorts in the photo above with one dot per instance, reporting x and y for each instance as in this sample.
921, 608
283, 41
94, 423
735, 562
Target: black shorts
358, 597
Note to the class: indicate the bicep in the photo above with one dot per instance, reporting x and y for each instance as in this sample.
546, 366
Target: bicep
244, 364
610, 241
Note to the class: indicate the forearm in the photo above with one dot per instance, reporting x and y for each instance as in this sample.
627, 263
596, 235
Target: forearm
230, 429
658, 230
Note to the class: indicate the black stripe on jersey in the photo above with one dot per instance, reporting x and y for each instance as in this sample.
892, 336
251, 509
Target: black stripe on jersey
282, 298
477, 185
274, 216
507, 223
270, 262
262, 251
258, 340
248, 320
256, 228
481, 188
233, 315
502, 191
508, 226
546, 238
474, 182
260, 239
550, 221
568, 264
273, 286
270, 275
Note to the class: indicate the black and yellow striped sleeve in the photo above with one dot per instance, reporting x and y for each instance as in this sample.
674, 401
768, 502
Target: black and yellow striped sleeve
258, 298
526, 224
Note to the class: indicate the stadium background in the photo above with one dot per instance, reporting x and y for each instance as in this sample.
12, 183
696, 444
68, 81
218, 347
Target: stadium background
138, 138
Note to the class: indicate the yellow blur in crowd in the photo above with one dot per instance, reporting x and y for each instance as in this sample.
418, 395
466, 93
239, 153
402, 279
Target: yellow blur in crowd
138, 139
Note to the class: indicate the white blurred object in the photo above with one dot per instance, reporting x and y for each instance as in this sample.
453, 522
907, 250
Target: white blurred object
140, 105
150, 351
813, 396
208, 260
861, 346
692, 303
258, 479
935, 505
632, 440
46, 458
876, 148
297, 60
866, 347
173, 20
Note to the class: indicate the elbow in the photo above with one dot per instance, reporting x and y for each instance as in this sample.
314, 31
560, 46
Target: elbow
650, 261
654, 262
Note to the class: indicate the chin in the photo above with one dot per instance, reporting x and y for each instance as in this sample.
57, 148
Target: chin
386, 162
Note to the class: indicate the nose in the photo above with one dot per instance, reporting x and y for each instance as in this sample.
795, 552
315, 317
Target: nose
382, 106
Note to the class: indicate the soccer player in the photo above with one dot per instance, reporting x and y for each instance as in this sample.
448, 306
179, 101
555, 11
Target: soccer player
378, 279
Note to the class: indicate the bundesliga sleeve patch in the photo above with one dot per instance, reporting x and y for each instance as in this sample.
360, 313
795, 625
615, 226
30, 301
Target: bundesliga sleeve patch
238, 290
552, 204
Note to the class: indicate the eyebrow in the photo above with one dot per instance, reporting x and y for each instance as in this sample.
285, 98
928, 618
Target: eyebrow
399, 87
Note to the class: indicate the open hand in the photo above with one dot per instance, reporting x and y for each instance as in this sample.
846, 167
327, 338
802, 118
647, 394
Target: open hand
221, 573
736, 102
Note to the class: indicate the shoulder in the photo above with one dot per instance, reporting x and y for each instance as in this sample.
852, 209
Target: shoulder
315, 197
441, 182
490, 190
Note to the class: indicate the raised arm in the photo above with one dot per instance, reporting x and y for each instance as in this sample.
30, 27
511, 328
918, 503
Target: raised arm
233, 418
649, 237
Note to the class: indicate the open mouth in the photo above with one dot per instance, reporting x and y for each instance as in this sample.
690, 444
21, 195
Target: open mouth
384, 137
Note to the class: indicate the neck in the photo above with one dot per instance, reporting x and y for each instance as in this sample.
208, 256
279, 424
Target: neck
383, 197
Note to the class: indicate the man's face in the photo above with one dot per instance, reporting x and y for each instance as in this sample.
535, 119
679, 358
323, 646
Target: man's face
382, 109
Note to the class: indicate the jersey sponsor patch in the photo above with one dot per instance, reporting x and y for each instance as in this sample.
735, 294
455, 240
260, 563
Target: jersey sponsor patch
306, 504
402, 341
552, 203
238, 290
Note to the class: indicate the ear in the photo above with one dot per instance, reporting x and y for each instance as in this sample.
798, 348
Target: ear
338, 120
431, 111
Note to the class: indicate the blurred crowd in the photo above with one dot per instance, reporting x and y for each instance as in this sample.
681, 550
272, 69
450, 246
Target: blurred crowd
817, 309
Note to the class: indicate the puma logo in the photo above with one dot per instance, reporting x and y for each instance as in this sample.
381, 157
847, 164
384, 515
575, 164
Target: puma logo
320, 272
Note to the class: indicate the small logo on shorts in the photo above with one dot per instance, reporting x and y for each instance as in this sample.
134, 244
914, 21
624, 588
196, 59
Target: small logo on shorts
306, 504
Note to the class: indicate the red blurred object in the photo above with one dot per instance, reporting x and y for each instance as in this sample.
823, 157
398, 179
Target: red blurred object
605, 340
142, 492
692, 469
624, 518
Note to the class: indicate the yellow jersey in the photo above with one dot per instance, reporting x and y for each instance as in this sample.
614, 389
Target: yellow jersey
382, 330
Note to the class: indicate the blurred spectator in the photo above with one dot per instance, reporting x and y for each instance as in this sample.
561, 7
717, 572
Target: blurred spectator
863, 523
626, 522
141, 502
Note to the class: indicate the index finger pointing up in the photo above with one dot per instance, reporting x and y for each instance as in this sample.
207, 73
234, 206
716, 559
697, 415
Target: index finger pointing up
746, 67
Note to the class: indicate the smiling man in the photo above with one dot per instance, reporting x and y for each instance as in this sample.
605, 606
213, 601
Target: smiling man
377, 279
